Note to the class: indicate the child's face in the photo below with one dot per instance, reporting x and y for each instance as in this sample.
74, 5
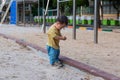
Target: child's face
60, 26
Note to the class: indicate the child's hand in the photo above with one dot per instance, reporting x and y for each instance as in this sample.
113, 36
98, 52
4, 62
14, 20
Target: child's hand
60, 38
64, 37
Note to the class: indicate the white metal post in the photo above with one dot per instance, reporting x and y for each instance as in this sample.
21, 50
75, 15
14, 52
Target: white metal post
58, 8
2, 5
44, 17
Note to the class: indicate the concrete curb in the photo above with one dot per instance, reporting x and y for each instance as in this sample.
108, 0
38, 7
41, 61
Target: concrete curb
76, 64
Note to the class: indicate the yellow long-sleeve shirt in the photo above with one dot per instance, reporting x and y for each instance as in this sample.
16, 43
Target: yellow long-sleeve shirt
52, 33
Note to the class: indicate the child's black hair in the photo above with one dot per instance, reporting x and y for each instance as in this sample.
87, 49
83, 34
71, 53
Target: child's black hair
62, 20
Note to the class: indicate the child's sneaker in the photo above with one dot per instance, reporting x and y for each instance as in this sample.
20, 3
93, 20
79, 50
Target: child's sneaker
53, 66
59, 64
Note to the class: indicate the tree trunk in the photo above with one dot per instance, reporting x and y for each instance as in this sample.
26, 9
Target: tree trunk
110, 6
118, 14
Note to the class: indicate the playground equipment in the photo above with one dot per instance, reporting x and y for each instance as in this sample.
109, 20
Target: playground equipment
10, 2
44, 18
75, 19
20, 12
96, 19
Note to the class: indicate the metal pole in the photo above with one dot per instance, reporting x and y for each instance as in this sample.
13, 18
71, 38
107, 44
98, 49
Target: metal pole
101, 9
64, 1
39, 13
58, 8
24, 12
30, 14
44, 19
47, 7
81, 10
44, 23
96, 20
74, 19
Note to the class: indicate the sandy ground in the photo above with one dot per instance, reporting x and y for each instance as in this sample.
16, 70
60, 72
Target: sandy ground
20, 63
105, 55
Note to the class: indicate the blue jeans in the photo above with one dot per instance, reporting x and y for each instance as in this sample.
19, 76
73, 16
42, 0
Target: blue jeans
53, 54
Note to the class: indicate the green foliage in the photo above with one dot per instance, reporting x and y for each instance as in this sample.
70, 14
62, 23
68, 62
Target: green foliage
65, 7
82, 2
34, 10
69, 3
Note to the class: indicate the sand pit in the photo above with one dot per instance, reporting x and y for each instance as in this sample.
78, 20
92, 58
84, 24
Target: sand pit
20, 63
105, 55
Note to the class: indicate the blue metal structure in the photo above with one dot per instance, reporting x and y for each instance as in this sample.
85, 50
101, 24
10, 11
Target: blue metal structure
13, 13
